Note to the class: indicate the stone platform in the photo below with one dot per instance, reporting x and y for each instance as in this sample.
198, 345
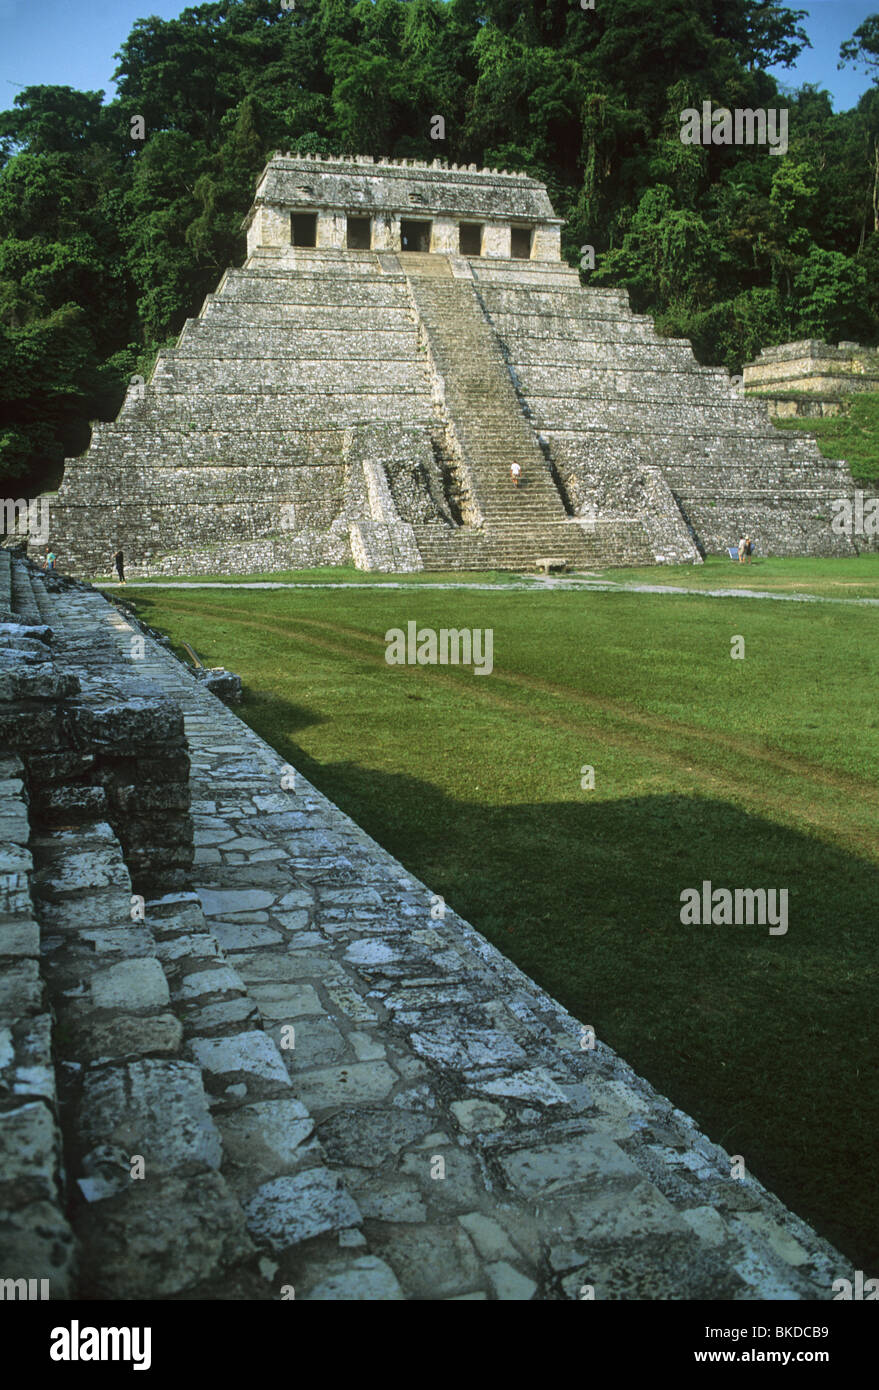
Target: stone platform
299, 1071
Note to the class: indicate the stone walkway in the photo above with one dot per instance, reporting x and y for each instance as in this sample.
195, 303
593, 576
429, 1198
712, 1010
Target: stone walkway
365, 1097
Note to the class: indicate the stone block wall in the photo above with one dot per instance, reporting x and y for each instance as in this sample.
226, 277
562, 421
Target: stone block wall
815, 366
36, 1240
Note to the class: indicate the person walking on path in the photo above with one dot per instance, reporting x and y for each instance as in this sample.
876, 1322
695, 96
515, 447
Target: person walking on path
515, 473
120, 565
50, 560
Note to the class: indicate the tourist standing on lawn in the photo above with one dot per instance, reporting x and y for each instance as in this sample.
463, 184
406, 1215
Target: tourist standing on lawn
741, 550
120, 565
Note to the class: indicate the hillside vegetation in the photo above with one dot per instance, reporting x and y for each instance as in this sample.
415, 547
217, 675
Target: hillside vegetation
851, 435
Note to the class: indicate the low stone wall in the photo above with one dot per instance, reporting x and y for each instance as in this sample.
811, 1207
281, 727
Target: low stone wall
790, 408
815, 366
36, 1239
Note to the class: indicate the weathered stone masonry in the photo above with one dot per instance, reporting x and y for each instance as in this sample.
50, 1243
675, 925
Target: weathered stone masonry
398, 335
436, 1129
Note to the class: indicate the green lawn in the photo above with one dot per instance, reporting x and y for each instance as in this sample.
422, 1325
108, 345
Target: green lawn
851, 577
852, 435
341, 574
753, 773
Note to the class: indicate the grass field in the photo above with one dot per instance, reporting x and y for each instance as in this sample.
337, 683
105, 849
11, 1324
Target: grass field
340, 575
857, 577
852, 435
749, 773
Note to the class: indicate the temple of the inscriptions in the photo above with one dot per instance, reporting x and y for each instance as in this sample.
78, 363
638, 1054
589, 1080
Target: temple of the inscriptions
399, 334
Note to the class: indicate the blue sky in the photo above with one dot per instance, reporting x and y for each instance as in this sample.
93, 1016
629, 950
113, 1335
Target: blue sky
828, 24
72, 42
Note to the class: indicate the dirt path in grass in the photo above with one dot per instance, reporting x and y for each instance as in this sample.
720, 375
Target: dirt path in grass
626, 727
532, 586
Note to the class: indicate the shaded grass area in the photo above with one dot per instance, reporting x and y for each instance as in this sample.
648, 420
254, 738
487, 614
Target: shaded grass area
855, 576
754, 773
852, 435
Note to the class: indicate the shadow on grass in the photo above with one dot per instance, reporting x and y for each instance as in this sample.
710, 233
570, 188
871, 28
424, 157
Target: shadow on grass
766, 1040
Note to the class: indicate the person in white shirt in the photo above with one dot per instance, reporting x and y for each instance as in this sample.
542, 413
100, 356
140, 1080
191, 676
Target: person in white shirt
515, 471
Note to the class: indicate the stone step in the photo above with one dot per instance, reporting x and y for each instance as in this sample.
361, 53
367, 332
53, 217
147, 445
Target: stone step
485, 412
24, 603
37, 1241
5, 580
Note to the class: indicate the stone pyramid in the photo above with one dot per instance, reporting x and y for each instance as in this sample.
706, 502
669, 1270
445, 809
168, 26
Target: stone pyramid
399, 334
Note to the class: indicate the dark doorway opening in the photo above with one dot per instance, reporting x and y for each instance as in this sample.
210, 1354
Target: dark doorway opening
359, 234
470, 238
520, 243
303, 230
414, 236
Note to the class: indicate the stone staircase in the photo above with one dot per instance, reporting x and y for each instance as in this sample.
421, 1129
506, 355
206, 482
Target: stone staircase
291, 1074
519, 525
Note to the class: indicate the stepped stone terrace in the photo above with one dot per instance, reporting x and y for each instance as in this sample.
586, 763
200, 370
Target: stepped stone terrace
241, 1056
356, 392
810, 377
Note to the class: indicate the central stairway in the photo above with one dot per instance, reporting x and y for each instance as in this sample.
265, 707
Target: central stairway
519, 525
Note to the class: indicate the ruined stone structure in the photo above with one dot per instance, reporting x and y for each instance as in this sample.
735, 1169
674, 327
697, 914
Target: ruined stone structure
400, 334
263, 1063
823, 372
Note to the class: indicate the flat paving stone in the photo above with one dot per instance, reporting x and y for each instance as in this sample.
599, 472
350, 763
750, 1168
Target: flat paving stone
219, 902
286, 1000
154, 1108
132, 985
533, 1084
355, 1084
378, 1135
217, 981
471, 1047
288, 1210
246, 1054
268, 1133
568, 1165
367, 1279
478, 1115
317, 1042
430, 1260
241, 936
